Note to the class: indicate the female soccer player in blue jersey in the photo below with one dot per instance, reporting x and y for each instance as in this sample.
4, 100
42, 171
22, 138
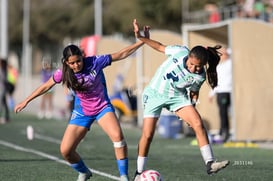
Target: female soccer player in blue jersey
175, 86
84, 75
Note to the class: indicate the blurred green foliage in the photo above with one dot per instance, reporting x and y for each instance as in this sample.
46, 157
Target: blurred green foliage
51, 21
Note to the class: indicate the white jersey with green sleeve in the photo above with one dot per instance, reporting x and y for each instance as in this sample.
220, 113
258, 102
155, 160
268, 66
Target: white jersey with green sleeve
172, 77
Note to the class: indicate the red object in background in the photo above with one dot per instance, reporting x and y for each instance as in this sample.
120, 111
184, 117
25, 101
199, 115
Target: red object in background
214, 17
89, 45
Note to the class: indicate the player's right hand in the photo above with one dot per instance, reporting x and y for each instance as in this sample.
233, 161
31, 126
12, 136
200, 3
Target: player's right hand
19, 107
146, 30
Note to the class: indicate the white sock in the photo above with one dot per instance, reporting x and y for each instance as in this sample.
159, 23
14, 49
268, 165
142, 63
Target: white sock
141, 163
207, 153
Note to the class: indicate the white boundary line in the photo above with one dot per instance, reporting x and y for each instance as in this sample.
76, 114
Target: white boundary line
51, 157
47, 138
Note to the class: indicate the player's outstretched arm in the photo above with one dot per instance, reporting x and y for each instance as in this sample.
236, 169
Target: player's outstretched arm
39, 91
124, 53
152, 43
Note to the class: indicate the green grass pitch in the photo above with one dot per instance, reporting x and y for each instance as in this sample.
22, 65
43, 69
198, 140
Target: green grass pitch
175, 159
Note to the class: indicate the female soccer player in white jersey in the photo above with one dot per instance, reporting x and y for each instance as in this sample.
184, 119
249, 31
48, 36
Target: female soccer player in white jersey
84, 75
175, 86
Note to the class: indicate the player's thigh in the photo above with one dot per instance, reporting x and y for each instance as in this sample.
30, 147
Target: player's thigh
72, 136
190, 115
111, 126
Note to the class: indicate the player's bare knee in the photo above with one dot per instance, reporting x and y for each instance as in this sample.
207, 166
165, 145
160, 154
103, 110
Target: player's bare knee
66, 153
119, 144
197, 125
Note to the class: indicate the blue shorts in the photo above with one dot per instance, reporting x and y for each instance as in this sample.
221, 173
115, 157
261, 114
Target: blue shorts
153, 102
86, 121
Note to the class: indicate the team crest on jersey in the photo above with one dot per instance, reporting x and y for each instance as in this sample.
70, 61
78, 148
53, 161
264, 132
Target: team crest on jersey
190, 79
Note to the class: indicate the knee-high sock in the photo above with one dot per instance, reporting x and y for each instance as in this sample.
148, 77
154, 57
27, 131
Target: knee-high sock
79, 167
123, 166
141, 163
206, 152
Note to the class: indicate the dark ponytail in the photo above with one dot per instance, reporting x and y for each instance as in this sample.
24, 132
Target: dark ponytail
213, 60
68, 77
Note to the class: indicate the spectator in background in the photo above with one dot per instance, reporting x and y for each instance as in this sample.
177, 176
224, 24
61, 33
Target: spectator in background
118, 84
223, 94
240, 8
3, 91
248, 8
214, 15
12, 76
70, 98
259, 10
269, 13
46, 105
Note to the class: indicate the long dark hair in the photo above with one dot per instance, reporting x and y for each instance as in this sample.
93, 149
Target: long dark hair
214, 58
68, 77
210, 56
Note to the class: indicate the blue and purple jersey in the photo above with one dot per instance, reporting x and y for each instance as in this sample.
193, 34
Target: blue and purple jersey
95, 98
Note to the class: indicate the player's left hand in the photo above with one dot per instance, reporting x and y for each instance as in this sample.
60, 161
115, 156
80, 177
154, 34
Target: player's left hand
136, 29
